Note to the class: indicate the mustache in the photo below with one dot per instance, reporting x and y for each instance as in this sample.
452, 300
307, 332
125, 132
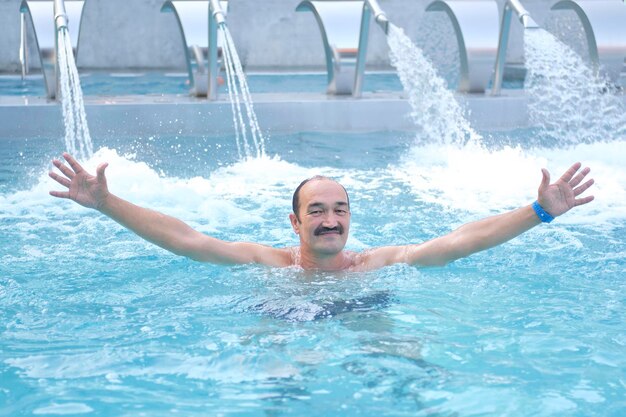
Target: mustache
322, 230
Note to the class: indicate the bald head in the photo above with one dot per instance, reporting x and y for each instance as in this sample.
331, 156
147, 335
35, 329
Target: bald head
295, 201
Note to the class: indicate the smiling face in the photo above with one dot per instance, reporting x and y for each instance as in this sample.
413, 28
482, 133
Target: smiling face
323, 219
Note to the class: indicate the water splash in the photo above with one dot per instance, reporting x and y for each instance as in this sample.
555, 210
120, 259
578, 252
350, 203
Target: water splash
567, 100
238, 92
436, 38
481, 181
437, 115
77, 138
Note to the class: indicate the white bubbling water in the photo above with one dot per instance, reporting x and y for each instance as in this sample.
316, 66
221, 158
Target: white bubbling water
483, 181
438, 117
568, 101
250, 192
471, 182
77, 138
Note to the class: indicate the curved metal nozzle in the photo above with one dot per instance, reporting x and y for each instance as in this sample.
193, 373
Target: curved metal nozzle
382, 20
528, 22
379, 15
217, 12
60, 15
522, 14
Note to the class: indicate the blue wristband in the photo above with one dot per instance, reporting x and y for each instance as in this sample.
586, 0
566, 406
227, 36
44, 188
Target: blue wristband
543, 215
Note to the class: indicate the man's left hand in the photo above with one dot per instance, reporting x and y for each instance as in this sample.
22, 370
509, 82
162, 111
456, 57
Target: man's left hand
561, 196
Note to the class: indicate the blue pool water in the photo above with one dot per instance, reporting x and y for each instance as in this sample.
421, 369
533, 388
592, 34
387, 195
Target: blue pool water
153, 83
97, 322
100, 83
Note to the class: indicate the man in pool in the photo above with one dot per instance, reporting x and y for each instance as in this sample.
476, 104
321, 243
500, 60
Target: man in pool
321, 218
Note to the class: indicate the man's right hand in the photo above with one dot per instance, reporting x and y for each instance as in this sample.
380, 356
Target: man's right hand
84, 188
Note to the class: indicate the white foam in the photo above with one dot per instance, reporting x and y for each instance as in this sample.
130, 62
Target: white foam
471, 179
479, 180
247, 192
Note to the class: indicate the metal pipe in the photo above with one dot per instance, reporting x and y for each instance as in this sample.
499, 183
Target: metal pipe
501, 54
217, 18
47, 32
362, 52
522, 14
60, 15
217, 12
199, 57
379, 15
528, 23
23, 46
370, 7
60, 22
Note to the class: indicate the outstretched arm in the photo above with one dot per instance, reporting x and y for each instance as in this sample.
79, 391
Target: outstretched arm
556, 199
163, 230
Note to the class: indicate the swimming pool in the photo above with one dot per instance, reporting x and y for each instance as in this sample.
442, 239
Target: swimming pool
159, 83
98, 322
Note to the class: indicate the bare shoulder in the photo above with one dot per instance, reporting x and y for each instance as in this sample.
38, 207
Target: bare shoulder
277, 257
380, 257
249, 252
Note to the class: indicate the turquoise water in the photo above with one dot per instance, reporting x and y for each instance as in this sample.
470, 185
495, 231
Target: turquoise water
97, 322
100, 83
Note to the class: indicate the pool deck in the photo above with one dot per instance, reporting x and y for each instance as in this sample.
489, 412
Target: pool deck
30, 117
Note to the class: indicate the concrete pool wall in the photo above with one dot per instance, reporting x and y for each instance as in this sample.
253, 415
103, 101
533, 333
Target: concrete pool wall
134, 35
122, 34
181, 115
